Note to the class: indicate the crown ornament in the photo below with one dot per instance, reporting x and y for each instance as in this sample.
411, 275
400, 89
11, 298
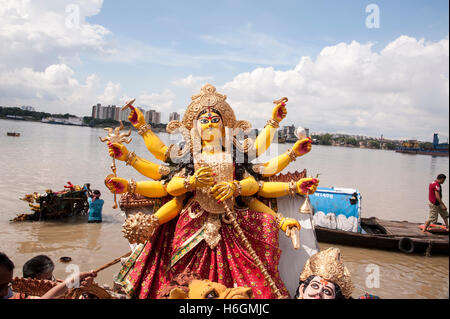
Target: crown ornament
328, 264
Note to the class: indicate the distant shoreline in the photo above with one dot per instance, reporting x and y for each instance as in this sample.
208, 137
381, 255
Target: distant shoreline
99, 125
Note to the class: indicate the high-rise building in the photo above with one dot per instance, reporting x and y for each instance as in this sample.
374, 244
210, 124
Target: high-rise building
174, 116
96, 111
148, 116
28, 108
156, 118
124, 115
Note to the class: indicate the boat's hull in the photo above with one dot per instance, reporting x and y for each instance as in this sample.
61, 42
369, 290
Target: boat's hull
412, 243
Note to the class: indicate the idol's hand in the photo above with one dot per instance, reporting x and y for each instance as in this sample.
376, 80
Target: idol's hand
202, 177
279, 112
294, 234
117, 151
117, 185
302, 147
223, 191
307, 185
136, 117
286, 223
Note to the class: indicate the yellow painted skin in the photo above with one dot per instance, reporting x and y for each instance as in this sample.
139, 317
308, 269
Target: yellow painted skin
265, 138
285, 223
146, 168
158, 148
170, 210
277, 164
155, 189
151, 140
280, 189
210, 126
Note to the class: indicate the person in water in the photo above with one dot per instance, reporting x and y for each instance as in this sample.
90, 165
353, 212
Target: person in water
95, 207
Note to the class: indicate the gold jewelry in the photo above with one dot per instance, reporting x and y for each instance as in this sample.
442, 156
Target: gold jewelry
238, 190
131, 186
163, 170
292, 188
144, 129
260, 185
187, 183
139, 227
291, 153
279, 218
273, 123
329, 265
210, 98
131, 158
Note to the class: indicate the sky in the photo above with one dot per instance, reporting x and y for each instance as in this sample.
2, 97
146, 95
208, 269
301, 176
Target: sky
354, 67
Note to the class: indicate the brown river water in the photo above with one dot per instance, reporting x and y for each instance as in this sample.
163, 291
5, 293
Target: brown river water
393, 186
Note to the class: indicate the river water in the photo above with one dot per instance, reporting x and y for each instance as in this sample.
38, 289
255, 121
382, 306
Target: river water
394, 186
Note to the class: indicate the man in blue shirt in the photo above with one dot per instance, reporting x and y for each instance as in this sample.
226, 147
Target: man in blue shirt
95, 207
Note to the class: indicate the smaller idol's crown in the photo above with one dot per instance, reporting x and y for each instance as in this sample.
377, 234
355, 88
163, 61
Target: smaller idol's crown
328, 265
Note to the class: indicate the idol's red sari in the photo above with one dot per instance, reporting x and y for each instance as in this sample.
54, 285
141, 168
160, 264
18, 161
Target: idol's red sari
178, 246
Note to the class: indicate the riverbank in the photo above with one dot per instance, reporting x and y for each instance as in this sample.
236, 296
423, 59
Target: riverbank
157, 128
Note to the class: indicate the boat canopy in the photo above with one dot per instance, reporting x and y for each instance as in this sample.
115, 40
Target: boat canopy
337, 208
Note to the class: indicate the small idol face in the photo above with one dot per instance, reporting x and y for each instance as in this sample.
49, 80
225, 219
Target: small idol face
210, 126
318, 288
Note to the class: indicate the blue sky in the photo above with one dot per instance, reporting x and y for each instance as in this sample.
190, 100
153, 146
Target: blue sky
161, 52
213, 29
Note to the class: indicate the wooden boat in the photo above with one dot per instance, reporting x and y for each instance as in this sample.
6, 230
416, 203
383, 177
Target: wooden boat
13, 134
388, 235
56, 205
337, 219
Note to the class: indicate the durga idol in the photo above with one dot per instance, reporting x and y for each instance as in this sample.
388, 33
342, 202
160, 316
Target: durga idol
213, 221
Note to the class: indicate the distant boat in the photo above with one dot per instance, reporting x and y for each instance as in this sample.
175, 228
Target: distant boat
13, 134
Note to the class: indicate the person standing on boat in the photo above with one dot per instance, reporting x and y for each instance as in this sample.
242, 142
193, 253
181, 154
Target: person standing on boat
95, 207
436, 204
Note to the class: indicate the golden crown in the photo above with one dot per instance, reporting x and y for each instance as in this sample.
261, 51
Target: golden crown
208, 97
329, 265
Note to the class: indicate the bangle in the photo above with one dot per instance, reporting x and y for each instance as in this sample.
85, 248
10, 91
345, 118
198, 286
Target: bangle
143, 129
260, 185
292, 188
131, 186
273, 123
238, 190
163, 170
187, 183
291, 153
131, 158
279, 218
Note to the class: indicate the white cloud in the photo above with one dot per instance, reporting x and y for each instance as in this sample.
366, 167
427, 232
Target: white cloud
54, 90
192, 82
110, 94
37, 33
162, 101
401, 91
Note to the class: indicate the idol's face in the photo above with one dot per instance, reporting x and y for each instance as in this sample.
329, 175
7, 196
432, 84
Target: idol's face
318, 288
210, 126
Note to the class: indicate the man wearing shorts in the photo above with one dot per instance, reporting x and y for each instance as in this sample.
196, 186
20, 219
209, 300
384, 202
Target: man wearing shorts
437, 206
